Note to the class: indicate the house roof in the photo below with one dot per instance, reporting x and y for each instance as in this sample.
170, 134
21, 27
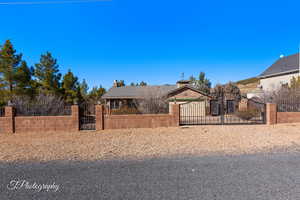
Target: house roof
187, 87
285, 65
184, 81
136, 92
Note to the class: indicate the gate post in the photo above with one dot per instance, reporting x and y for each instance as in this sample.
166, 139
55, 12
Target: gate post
176, 114
10, 115
271, 113
75, 117
99, 117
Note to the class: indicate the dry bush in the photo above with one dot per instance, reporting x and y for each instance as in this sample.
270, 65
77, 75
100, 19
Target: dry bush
248, 114
154, 102
41, 105
125, 111
287, 99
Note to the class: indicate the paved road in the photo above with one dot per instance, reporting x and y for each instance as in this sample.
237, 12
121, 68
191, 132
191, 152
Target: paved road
273, 176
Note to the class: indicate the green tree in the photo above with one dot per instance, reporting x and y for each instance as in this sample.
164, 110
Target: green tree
24, 83
142, 83
202, 83
3, 94
9, 63
121, 83
96, 94
70, 88
84, 88
192, 79
47, 74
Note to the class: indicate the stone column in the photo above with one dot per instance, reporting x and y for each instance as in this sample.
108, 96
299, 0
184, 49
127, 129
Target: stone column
10, 119
75, 117
271, 113
176, 114
99, 117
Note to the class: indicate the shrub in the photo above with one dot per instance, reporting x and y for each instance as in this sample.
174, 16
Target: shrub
125, 111
248, 114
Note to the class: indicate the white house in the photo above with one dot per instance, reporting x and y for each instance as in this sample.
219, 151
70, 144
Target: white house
281, 72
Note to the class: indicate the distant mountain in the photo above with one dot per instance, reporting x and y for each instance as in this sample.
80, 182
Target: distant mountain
248, 81
248, 85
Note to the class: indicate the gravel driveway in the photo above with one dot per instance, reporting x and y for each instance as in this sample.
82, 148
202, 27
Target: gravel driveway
149, 143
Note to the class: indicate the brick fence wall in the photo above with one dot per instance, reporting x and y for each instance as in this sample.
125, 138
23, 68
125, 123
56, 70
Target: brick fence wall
274, 117
136, 121
288, 117
11, 123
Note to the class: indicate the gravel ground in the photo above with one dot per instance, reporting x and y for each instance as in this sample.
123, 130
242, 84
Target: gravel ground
149, 143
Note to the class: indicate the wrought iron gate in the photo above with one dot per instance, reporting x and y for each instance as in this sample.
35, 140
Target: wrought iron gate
87, 117
221, 112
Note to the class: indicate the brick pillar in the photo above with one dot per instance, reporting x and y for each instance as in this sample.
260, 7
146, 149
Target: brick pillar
176, 114
10, 116
271, 113
75, 117
99, 117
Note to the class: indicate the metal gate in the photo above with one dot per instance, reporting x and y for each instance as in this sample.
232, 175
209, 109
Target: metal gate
216, 112
87, 117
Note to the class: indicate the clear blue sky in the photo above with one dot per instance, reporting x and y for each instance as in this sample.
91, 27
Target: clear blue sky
155, 40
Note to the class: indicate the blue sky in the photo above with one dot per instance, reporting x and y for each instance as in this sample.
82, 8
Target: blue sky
155, 41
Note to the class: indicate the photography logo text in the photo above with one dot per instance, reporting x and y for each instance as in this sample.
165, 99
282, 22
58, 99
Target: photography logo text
39, 187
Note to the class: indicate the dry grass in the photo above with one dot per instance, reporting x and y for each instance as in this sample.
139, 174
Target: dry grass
141, 143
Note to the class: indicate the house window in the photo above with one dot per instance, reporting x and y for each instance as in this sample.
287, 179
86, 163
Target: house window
114, 104
130, 103
230, 106
214, 108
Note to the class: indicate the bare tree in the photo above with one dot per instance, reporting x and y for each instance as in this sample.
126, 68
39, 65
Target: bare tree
154, 102
41, 105
287, 99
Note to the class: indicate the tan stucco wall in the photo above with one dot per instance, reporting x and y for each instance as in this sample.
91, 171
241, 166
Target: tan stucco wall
187, 94
190, 94
274, 83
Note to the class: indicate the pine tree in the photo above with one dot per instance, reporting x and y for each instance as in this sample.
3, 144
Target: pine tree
96, 94
3, 93
83, 89
202, 83
47, 74
121, 83
192, 79
9, 63
143, 83
70, 87
24, 83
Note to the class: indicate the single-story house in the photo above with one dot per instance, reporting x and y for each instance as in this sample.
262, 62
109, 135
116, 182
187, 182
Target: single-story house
280, 73
181, 93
